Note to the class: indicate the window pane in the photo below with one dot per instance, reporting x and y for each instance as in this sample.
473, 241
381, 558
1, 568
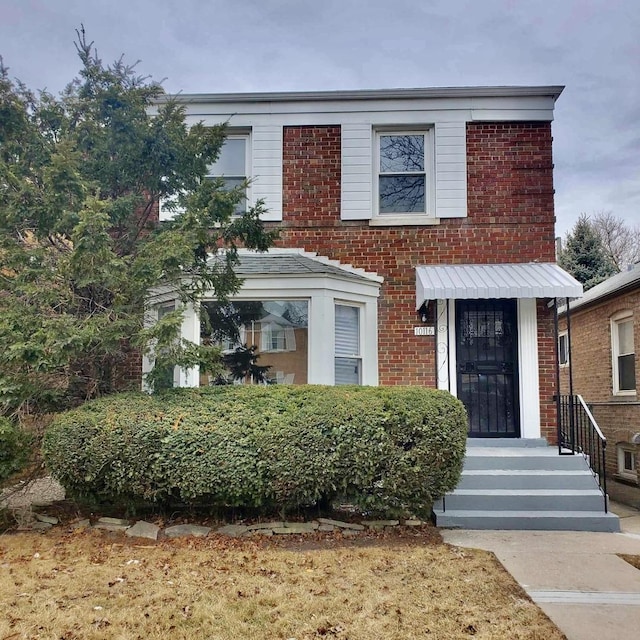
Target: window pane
274, 335
232, 160
399, 154
402, 194
625, 337
626, 372
347, 330
629, 461
563, 349
348, 371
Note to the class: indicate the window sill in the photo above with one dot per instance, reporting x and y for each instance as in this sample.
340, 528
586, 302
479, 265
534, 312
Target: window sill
624, 394
402, 220
628, 479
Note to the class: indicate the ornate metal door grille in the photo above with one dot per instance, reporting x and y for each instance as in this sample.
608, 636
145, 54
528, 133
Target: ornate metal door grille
487, 366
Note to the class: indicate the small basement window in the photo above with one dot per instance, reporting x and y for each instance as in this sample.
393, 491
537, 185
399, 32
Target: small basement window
627, 462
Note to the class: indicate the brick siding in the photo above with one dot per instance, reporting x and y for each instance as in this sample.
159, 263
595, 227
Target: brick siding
510, 219
591, 363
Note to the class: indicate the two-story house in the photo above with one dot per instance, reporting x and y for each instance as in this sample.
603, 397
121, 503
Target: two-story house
417, 243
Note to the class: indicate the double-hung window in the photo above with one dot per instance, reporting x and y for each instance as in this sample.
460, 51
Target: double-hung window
623, 355
404, 173
563, 349
348, 360
232, 166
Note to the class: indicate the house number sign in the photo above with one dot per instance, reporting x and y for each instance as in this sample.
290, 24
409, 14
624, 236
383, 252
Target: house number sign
424, 331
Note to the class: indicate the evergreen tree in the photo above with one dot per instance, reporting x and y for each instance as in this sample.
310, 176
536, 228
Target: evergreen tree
584, 255
81, 176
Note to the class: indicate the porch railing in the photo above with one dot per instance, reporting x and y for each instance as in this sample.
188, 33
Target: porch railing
578, 432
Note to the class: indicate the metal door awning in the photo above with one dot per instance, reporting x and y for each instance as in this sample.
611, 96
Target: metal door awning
473, 281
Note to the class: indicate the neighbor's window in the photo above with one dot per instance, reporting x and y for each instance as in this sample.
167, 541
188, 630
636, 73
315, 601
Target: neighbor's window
403, 172
232, 164
623, 355
563, 349
263, 341
627, 462
348, 361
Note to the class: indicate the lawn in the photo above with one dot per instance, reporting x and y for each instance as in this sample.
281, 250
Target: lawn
89, 584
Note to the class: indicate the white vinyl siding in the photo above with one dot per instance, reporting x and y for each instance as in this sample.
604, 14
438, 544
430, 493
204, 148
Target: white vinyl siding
451, 169
449, 175
348, 363
356, 172
266, 171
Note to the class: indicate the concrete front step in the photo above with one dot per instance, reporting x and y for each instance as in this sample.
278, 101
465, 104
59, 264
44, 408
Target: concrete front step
524, 484
528, 520
539, 459
526, 499
519, 443
527, 479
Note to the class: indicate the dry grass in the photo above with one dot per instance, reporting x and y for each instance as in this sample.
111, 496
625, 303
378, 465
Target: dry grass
632, 560
89, 585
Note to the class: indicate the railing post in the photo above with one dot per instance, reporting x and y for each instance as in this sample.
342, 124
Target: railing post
604, 474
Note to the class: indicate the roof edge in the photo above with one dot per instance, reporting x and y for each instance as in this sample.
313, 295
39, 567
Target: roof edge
553, 91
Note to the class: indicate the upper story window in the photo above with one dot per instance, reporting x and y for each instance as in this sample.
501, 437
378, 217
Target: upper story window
404, 182
232, 166
623, 354
563, 349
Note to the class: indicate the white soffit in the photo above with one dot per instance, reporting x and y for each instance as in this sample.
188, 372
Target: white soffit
472, 281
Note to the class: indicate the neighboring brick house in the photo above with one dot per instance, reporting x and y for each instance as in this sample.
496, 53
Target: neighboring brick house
605, 332
417, 243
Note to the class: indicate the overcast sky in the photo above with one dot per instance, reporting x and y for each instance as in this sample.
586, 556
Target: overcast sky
200, 46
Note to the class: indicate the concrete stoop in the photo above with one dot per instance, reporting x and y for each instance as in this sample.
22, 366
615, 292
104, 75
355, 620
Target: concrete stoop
524, 484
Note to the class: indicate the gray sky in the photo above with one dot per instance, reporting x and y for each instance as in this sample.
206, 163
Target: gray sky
199, 46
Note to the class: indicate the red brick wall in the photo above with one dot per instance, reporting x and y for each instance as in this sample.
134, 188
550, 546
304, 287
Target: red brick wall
510, 219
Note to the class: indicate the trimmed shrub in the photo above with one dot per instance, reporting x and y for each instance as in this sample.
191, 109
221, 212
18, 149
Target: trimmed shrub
14, 448
389, 450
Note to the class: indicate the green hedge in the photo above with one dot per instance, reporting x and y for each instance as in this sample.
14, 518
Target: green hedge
14, 448
388, 449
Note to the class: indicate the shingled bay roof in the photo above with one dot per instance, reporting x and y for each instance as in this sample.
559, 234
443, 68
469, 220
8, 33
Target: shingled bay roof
298, 263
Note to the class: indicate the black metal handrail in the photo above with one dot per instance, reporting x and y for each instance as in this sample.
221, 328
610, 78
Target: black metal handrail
578, 432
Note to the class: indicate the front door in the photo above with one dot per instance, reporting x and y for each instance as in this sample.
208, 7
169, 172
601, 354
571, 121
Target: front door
487, 366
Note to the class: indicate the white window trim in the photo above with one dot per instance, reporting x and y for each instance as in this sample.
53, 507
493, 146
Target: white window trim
322, 293
563, 352
391, 219
617, 319
623, 448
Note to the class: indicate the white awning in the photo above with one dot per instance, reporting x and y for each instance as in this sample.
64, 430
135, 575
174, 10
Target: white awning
465, 281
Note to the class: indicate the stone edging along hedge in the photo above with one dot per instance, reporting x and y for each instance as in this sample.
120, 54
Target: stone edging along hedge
142, 529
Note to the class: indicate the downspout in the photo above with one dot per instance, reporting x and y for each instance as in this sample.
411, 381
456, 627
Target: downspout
557, 396
572, 425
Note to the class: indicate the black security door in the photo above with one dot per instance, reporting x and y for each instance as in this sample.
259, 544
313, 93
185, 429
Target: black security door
487, 366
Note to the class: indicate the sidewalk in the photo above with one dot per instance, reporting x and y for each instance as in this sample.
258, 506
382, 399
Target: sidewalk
576, 578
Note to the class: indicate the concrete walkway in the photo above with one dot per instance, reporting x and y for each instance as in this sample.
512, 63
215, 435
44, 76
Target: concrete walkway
576, 578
